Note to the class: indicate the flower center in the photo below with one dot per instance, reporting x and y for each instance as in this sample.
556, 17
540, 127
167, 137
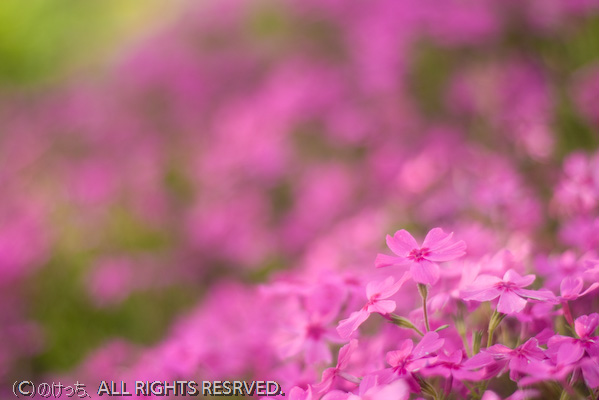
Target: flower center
314, 331
419, 254
505, 285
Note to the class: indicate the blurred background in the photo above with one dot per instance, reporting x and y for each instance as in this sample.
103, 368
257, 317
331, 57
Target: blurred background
150, 153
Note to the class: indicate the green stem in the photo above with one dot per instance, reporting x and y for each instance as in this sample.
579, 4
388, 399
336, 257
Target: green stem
424, 293
494, 322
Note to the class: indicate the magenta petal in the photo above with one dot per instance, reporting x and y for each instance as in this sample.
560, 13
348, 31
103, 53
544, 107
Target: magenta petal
590, 372
382, 307
543, 294
510, 303
570, 287
499, 351
394, 358
484, 282
480, 294
436, 238
569, 352
479, 360
337, 395
429, 343
489, 395
448, 253
383, 260
521, 281
377, 287
590, 289
482, 289
425, 272
345, 353
585, 325
396, 390
327, 380
441, 246
347, 326
299, 394
389, 290
519, 363
402, 243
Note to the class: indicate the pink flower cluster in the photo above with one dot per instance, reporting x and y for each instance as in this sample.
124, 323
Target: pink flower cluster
260, 151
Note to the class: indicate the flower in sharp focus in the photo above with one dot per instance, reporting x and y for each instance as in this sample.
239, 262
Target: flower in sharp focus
450, 366
571, 288
498, 356
438, 246
568, 350
510, 290
410, 359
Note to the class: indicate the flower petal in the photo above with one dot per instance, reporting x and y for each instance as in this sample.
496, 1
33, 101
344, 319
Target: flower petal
394, 358
347, 326
429, 343
569, 352
383, 260
585, 325
570, 287
479, 360
510, 303
390, 290
436, 239
441, 247
345, 353
401, 243
425, 272
521, 281
543, 294
382, 307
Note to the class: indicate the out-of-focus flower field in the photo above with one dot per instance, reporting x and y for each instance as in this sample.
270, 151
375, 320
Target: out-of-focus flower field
234, 189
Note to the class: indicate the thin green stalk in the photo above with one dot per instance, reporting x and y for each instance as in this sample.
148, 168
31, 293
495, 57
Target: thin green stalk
494, 322
424, 293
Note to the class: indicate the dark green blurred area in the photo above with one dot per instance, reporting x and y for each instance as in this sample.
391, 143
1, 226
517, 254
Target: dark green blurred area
46, 42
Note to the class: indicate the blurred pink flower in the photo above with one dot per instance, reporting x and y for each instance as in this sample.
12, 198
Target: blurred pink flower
377, 293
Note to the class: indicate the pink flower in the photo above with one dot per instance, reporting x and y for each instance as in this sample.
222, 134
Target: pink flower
500, 356
568, 350
582, 352
546, 371
297, 393
405, 360
422, 260
520, 394
570, 288
510, 290
409, 359
450, 366
376, 292
329, 374
371, 389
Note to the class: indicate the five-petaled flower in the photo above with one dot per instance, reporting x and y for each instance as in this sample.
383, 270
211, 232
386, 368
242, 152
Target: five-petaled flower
510, 290
422, 260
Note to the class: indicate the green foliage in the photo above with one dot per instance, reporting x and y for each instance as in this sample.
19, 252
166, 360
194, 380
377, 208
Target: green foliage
39, 39
73, 325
